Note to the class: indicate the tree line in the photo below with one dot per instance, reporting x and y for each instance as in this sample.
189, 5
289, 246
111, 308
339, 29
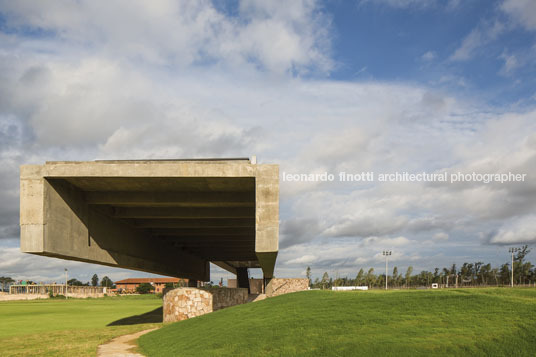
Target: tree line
105, 282
469, 274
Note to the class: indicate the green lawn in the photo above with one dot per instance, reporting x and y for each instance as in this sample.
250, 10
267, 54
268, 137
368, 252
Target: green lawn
476, 322
73, 327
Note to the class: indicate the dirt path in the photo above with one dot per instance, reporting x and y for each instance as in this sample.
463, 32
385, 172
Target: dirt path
122, 346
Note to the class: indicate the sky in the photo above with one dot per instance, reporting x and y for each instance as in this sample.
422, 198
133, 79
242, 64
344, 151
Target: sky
315, 86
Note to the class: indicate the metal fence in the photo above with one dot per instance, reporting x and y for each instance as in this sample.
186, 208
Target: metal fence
56, 289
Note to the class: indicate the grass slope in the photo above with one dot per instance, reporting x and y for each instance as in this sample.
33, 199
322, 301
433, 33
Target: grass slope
474, 322
73, 327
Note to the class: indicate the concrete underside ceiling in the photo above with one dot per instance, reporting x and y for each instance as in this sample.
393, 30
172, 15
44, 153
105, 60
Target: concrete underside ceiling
212, 218
170, 218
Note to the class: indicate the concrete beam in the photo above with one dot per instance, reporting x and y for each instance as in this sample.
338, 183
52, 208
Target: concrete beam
225, 266
182, 212
177, 199
194, 223
218, 231
207, 240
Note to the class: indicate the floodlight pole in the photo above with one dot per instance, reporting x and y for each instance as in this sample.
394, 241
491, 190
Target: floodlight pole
66, 283
512, 279
386, 253
512, 251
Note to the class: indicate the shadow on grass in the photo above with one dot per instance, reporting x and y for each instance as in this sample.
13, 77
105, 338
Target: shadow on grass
154, 316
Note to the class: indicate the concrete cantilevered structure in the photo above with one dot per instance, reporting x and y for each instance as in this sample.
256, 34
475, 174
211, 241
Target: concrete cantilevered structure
169, 217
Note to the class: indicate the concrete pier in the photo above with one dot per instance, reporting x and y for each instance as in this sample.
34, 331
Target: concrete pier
169, 217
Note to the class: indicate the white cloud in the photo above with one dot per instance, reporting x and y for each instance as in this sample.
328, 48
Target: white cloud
278, 37
440, 236
429, 56
477, 38
303, 259
517, 231
523, 12
453, 4
387, 242
511, 62
403, 3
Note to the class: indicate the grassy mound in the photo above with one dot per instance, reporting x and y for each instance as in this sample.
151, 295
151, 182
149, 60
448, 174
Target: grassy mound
485, 322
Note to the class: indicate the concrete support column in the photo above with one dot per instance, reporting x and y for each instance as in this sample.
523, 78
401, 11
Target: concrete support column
242, 279
265, 282
192, 283
267, 217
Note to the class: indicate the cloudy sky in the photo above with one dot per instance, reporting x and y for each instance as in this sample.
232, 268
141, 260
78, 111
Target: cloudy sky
334, 86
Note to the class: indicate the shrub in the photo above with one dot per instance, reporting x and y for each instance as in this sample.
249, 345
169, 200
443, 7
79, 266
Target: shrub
144, 288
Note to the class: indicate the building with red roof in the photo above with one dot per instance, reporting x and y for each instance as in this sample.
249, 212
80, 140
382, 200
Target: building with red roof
159, 284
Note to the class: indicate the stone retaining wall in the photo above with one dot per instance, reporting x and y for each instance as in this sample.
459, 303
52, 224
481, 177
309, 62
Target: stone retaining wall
184, 303
280, 286
225, 297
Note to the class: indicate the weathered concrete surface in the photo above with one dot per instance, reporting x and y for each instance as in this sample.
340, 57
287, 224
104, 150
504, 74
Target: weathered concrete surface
280, 286
184, 303
164, 217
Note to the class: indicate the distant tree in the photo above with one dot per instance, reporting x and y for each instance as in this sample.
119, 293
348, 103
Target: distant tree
360, 278
6, 280
325, 280
144, 288
485, 274
522, 253
95, 280
435, 278
453, 270
308, 275
504, 273
495, 274
467, 272
395, 277
75, 282
370, 278
477, 274
408, 275
521, 270
107, 282
169, 286
446, 274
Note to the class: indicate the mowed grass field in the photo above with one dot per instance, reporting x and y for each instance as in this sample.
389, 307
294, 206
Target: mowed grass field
463, 322
73, 327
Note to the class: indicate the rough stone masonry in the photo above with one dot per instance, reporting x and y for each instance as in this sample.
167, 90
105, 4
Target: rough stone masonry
184, 303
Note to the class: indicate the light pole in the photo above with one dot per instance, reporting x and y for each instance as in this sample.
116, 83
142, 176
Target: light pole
386, 253
66, 283
512, 251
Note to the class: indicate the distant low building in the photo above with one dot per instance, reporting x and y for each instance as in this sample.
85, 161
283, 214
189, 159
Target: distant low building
159, 284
